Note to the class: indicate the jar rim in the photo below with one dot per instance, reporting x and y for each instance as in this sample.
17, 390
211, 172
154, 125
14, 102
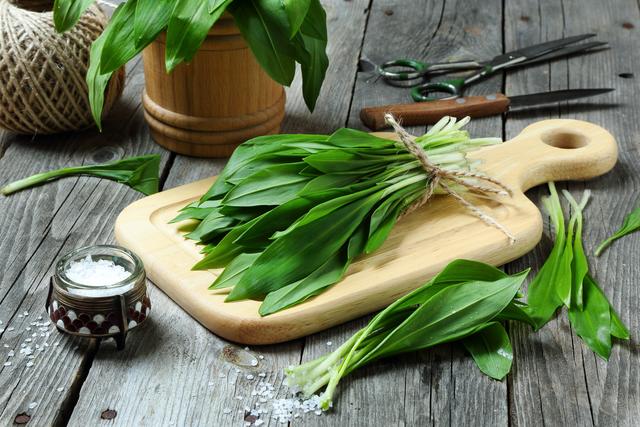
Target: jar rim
92, 250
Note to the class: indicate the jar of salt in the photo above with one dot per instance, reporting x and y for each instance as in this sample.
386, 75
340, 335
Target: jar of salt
99, 291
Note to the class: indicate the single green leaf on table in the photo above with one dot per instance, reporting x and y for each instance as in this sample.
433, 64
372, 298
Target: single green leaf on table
67, 12
543, 297
151, 17
491, 350
631, 224
593, 322
265, 27
140, 173
580, 264
188, 26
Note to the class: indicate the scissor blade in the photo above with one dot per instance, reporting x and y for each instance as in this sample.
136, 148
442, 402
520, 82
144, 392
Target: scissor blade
554, 96
509, 59
565, 51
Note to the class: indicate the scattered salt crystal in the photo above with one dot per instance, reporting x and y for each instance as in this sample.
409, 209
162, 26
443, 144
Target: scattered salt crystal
11, 353
7, 363
254, 362
39, 317
0, 322
329, 343
250, 377
262, 374
260, 357
29, 364
226, 411
60, 389
20, 316
10, 328
28, 340
26, 313
246, 348
28, 328
237, 371
33, 405
1, 330
239, 397
221, 375
211, 383
5, 345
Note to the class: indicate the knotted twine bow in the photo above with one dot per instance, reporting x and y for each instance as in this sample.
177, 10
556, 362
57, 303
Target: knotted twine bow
443, 178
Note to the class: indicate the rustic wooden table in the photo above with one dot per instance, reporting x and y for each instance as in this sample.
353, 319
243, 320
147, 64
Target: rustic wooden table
170, 372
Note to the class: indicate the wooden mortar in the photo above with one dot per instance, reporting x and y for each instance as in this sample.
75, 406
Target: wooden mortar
208, 107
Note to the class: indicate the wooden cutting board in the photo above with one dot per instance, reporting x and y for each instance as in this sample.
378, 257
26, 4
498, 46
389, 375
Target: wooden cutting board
418, 248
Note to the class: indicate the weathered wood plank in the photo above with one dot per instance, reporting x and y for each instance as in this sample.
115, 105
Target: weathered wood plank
440, 386
38, 226
173, 359
557, 380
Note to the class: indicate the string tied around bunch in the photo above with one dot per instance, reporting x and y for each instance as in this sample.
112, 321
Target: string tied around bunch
444, 179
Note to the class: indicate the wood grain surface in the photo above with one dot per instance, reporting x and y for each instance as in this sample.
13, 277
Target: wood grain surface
170, 362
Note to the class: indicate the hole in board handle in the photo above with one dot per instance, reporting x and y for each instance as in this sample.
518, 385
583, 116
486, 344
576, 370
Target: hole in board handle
565, 139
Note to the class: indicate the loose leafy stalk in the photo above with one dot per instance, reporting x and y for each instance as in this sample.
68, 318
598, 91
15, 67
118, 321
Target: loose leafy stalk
565, 278
631, 223
290, 212
280, 34
140, 173
461, 303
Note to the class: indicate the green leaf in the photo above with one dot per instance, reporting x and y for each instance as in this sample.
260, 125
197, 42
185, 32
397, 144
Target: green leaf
215, 5
618, 329
234, 271
120, 44
151, 18
264, 25
296, 13
301, 251
516, 311
140, 173
580, 264
67, 12
491, 350
326, 275
96, 81
453, 313
631, 224
188, 26
268, 187
543, 299
593, 323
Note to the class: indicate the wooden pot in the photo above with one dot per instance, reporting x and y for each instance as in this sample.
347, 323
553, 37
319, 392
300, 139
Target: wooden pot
208, 107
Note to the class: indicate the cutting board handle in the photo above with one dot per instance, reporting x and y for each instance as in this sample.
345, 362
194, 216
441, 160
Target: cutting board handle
551, 150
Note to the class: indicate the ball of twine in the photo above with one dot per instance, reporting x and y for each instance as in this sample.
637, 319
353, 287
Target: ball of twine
42, 73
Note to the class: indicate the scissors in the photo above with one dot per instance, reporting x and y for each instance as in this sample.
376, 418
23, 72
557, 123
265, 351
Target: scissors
526, 56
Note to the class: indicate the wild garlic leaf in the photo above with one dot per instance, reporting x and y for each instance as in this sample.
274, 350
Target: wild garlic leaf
265, 27
593, 322
269, 187
491, 350
140, 173
294, 256
67, 12
543, 298
326, 275
188, 26
119, 45
234, 271
215, 5
580, 264
631, 224
151, 17
226, 250
453, 313
97, 82
296, 13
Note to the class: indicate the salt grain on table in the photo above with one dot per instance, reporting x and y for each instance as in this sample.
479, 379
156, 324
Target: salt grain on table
33, 405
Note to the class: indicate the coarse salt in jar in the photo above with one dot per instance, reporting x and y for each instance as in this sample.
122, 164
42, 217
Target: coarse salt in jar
99, 291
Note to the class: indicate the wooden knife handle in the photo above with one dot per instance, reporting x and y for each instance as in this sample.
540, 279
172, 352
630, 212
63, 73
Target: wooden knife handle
429, 112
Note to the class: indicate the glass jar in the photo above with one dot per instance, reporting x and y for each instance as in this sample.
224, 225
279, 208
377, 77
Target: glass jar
99, 291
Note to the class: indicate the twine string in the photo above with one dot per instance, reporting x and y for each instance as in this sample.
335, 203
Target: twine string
439, 177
